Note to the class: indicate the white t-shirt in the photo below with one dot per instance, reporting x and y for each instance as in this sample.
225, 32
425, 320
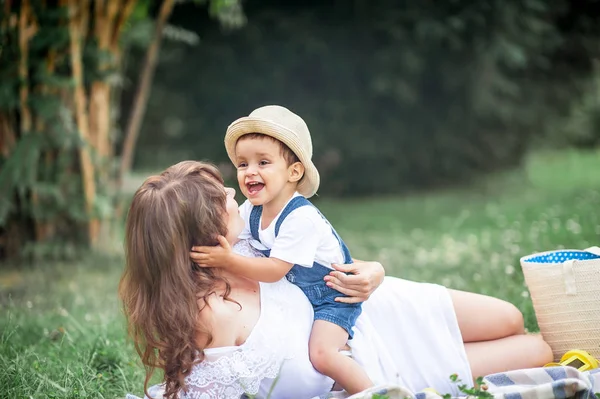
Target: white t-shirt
304, 237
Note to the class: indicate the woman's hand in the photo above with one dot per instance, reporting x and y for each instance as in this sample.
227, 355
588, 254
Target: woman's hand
365, 277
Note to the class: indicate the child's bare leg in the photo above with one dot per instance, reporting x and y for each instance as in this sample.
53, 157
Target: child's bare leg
326, 340
510, 353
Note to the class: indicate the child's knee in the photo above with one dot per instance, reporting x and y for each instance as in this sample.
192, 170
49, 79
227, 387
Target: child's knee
321, 356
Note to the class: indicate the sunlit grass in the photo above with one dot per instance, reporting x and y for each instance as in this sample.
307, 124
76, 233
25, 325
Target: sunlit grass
62, 332
473, 240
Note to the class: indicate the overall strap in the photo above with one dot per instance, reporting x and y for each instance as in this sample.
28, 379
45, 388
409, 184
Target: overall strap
294, 204
343, 246
300, 201
255, 215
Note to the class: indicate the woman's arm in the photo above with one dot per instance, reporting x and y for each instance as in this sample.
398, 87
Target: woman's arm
363, 280
268, 270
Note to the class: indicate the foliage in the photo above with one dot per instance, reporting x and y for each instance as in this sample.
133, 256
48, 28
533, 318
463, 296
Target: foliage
398, 95
63, 333
38, 161
60, 80
581, 126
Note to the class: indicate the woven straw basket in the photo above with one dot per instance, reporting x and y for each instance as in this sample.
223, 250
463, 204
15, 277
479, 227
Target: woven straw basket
565, 291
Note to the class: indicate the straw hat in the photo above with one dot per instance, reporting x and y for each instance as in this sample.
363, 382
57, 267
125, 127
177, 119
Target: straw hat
285, 126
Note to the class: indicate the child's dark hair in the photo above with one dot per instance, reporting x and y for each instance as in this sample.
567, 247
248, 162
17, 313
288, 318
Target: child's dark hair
287, 154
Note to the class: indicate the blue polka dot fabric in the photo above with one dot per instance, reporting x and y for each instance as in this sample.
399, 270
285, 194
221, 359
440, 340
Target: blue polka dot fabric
561, 256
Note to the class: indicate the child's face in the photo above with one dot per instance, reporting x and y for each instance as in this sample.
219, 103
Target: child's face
262, 172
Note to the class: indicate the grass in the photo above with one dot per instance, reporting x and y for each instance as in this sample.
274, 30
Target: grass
62, 333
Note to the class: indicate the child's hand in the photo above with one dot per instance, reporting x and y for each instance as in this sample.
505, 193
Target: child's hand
217, 256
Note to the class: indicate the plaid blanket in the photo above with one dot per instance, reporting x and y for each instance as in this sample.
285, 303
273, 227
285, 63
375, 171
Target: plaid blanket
537, 383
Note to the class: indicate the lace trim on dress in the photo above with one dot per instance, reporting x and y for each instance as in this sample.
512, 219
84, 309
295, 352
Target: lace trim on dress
244, 248
242, 370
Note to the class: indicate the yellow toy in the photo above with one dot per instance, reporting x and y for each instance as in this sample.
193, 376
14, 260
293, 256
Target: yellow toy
579, 359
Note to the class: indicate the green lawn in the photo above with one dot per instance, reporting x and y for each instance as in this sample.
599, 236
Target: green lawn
62, 334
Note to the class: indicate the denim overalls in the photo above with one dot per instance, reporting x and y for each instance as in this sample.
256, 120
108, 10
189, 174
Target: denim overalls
310, 279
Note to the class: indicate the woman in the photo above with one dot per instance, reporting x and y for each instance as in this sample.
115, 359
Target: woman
217, 335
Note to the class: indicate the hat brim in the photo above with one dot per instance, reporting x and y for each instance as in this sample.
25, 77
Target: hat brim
309, 184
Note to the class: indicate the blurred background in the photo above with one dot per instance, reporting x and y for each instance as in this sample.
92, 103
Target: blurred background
452, 138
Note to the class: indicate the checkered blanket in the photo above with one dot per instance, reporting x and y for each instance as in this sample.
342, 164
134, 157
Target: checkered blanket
537, 383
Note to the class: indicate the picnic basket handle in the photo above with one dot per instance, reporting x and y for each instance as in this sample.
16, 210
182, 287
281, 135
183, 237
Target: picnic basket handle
593, 250
569, 274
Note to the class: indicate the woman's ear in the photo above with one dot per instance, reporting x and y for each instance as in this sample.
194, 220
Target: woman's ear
295, 172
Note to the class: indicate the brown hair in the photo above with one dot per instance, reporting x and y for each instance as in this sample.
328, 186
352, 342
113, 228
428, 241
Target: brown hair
161, 287
286, 152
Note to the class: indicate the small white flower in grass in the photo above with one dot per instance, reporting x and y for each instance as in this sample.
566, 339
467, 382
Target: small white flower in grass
515, 249
525, 294
416, 234
472, 240
509, 270
534, 233
486, 239
87, 317
29, 304
573, 226
555, 224
491, 209
63, 312
494, 262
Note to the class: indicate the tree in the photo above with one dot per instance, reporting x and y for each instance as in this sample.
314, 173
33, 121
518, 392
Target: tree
57, 141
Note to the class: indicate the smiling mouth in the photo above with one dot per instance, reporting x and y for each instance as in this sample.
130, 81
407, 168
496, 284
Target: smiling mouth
254, 187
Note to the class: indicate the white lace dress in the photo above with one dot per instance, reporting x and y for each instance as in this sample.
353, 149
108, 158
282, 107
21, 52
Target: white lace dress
407, 335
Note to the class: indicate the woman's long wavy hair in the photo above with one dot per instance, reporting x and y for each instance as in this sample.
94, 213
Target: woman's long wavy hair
161, 287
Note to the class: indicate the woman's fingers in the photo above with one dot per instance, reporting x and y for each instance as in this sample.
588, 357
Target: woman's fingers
349, 299
344, 268
352, 295
350, 281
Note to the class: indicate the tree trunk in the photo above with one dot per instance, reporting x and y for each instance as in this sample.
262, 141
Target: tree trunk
100, 90
110, 16
143, 92
27, 29
87, 167
23, 66
46, 228
7, 135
